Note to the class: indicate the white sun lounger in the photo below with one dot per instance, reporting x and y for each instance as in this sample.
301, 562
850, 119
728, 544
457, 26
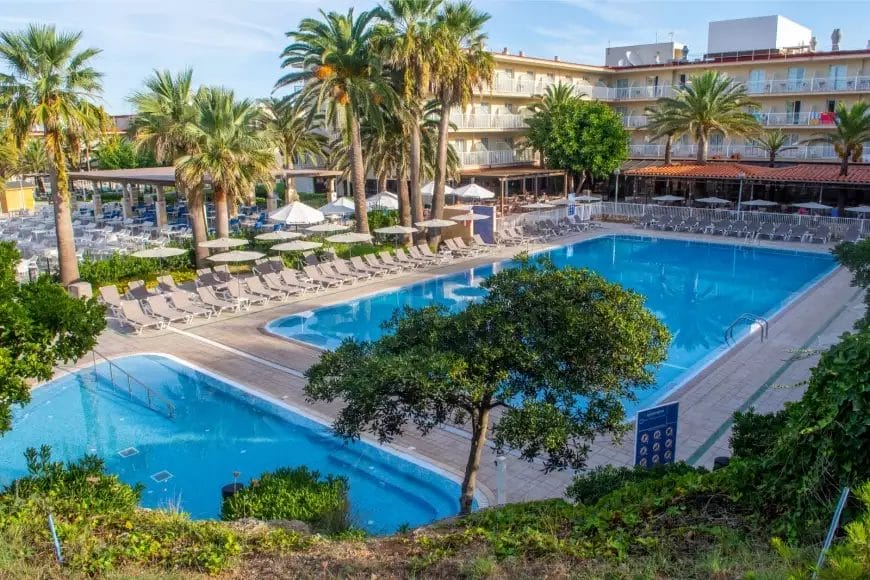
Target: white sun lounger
132, 315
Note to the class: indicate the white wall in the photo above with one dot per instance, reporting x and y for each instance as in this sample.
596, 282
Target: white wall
641, 53
758, 33
790, 34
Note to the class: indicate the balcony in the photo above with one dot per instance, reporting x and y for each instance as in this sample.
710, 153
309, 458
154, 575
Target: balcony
740, 151
493, 158
853, 84
524, 86
634, 121
488, 122
641, 93
811, 119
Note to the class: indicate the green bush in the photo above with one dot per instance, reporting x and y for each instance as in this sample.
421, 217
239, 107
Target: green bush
120, 269
850, 560
382, 218
293, 494
595, 484
856, 258
754, 434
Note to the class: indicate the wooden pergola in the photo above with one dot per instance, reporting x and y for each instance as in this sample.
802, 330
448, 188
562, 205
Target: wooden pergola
504, 175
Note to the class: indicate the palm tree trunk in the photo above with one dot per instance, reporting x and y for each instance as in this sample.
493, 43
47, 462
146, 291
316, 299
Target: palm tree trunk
382, 182
358, 176
221, 210
771, 158
669, 143
196, 210
66, 246
416, 195
440, 170
290, 194
40, 184
404, 206
702, 150
844, 163
479, 425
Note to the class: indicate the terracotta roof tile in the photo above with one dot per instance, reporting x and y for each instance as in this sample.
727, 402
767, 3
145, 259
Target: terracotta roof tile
799, 173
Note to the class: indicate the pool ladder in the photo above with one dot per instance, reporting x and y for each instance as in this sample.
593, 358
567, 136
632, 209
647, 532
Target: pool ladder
124, 381
751, 319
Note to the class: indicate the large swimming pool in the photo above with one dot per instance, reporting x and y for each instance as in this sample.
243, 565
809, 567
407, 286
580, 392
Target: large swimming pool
697, 288
217, 429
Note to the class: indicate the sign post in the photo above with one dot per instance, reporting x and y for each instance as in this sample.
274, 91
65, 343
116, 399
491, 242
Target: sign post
572, 205
655, 441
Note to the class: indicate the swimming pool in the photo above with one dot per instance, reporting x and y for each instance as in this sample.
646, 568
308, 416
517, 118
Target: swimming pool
217, 429
697, 288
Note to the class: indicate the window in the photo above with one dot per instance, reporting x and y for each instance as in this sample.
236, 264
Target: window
792, 112
796, 78
460, 145
621, 88
756, 81
510, 107
837, 76
484, 108
484, 143
682, 80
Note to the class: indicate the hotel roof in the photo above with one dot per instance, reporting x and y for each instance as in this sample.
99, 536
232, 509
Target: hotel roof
798, 173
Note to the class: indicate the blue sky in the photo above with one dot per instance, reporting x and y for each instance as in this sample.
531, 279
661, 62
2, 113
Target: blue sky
236, 43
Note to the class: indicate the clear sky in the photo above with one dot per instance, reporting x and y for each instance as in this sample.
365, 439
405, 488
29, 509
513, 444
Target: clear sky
236, 43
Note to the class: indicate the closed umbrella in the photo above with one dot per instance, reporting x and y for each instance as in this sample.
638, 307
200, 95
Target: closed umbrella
224, 243
278, 236
297, 213
342, 206
473, 191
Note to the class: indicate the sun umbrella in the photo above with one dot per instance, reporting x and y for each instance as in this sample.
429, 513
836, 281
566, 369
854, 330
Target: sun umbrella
473, 191
159, 253
327, 227
436, 223
668, 198
297, 213
383, 200
712, 200
278, 236
538, 205
429, 189
587, 198
349, 238
235, 256
859, 209
223, 243
341, 206
470, 217
812, 205
396, 230
296, 246
759, 203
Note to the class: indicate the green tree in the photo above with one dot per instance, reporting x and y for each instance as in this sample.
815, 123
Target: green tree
856, 258
774, 143
341, 71
116, 152
532, 349
542, 111
51, 84
711, 102
9, 155
34, 161
228, 148
585, 138
42, 326
662, 124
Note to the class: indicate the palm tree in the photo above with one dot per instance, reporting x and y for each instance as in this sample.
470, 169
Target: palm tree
462, 64
9, 155
164, 114
774, 143
344, 74
711, 102
51, 84
228, 147
406, 39
662, 123
34, 161
296, 134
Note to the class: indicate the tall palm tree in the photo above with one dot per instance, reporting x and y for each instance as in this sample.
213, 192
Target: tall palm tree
774, 143
34, 161
711, 102
51, 84
296, 134
164, 113
405, 37
342, 72
228, 147
461, 65
662, 123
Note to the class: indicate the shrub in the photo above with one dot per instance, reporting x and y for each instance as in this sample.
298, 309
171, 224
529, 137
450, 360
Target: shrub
293, 494
851, 559
382, 218
754, 434
120, 269
600, 481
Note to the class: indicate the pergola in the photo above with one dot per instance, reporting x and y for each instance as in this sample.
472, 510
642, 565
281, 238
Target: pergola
504, 175
162, 177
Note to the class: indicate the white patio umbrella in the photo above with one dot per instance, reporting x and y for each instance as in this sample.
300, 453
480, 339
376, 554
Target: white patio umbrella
759, 203
297, 213
296, 246
157, 253
587, 198
859, 209
429, 189
812, 205
668, 198
342, 206
383, 200
396, 230
470, 217
278, 236
712, 200
224, 243
350, 238
235, 256
327, 227
473, 191
538, 205
435, 223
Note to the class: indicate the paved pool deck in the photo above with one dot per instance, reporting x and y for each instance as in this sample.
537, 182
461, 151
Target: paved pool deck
753, 373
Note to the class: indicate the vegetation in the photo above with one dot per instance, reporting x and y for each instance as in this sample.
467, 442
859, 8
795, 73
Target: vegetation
120, 269
662, 123
710, 102
293, 494
51, 83
41, 327
856, 258
117, 152
435, 367
774, 142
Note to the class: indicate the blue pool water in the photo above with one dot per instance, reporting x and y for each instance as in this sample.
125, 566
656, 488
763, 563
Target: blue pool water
217, 429
697, 289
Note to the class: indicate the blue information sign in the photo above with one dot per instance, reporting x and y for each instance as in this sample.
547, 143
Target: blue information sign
572, 205
655, 440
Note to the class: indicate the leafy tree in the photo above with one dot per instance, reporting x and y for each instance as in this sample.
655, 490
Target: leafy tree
40, 326
584, 137
34, 161
530, 358
9, 155
51, 84
711, 102
856, 258
554, 97
774, 143
117, 153
295, 133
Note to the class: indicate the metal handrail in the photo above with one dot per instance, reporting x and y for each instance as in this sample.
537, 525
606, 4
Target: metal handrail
750, 318
153, 397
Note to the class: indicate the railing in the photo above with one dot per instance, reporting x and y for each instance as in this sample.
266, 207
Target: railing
125, 382
739, 151
813, 85
488, 158
488, 121
811, 119
647, 92
761, 321
634, 121
522, 85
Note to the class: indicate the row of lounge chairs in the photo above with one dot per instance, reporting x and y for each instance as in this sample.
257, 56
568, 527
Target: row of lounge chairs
544, 230
749, 230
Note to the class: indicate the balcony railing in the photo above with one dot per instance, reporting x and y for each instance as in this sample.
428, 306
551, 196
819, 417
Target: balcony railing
740, 151
488, 121
814, 85
811, 119
649, 92
633, 121
524, 86
491, 158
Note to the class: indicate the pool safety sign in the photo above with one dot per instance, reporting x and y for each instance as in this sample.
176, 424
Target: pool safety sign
655, 440
572, 204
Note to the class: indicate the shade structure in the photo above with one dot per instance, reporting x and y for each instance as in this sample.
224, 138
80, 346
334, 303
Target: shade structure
587, 198
159, 253
396, 230
429, 189
812, 205
383, 200
668, 198
296, 246
278, 236
436, 223
327, 227
712, 200
297, 213
758, 203
470, 217
236, 256
350, 238
538, 205
341, 206
473, 191
223, 243
859, 209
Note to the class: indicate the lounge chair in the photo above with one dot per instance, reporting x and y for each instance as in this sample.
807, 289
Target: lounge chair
427, 252
182, 301
766, 229
167, 284
822, 234
452, 247
645, 222
222, 273
852, 235
132, 315
797, 232
343, 267
136, 289
274, 282
402, 258
291, 278
160, 307
206, 277
257, 288
315, 275
388, 260
310, 259
110, 297
360, 266
328, 270
373, 261
416, 254
479, 242
235, 291
215, 302
460, 243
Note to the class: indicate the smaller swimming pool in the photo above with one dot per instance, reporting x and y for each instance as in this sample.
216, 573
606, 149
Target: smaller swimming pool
217, 429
